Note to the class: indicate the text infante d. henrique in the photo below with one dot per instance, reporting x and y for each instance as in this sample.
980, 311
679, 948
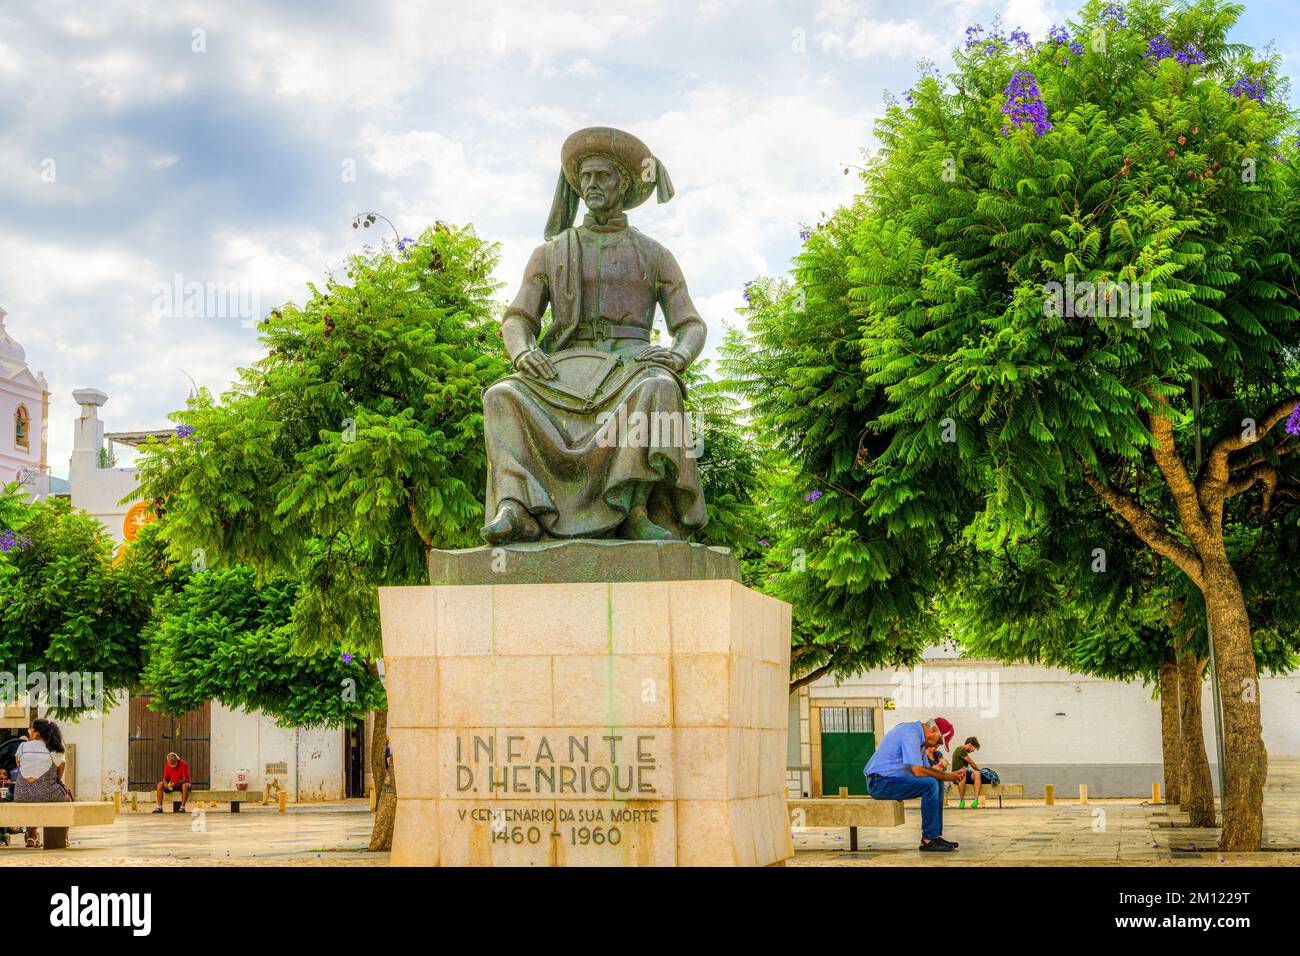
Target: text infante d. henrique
606, 764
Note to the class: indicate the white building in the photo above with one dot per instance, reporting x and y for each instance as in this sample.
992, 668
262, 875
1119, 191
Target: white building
1036, 725
24, 413
125, 748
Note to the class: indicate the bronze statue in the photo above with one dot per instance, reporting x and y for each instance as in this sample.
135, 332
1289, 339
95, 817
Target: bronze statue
589, 437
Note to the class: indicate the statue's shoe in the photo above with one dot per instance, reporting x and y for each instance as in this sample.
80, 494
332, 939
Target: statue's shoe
637, 526
512, 523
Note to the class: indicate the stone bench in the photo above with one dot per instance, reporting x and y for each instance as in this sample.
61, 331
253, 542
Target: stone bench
56, 818
851, 812
232, 797
998, 790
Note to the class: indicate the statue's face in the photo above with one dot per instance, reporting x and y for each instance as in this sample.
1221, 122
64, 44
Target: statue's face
598, 182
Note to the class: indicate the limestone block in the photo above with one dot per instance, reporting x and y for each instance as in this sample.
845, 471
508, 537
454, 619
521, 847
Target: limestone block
492, 690
598, 722
408, 617
464, 621
416, 818
415, 759
575, 618
637, 619
613, 690
412, 691
701, 690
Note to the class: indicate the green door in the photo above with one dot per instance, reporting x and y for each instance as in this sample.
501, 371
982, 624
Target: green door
847, 744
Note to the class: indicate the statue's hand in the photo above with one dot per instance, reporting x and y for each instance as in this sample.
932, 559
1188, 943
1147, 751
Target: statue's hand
662, 356
535, 363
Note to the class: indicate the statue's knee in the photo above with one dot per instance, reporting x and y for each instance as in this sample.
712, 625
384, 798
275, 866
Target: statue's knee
496, 394
661, 384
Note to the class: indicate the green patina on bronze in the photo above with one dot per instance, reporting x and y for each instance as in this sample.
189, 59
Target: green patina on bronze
583, 562
589, 437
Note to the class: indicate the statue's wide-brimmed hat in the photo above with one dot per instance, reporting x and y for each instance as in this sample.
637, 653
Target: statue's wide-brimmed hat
644, 172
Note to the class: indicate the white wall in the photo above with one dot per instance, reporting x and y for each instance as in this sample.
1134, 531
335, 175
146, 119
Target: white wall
249, 741
1028, 716
102, 747
13, 458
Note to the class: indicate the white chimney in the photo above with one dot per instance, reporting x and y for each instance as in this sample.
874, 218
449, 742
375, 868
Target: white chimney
87, 440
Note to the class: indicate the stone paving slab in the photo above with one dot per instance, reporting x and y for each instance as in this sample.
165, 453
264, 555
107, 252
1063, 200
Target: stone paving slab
1101, 833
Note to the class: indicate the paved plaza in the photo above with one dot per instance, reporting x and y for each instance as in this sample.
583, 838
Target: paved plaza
1021, 833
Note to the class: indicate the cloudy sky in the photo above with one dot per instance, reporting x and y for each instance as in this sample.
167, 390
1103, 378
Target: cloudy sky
232, 142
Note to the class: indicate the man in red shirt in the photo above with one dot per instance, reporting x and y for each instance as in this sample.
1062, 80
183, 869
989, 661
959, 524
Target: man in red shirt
176, 776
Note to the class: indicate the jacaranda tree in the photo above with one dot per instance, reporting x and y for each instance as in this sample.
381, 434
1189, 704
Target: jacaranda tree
1067, 253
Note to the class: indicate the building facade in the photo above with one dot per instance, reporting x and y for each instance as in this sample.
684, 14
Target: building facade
1036, 725
24, 413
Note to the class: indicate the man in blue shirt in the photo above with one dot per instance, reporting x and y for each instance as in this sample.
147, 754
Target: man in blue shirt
898, 770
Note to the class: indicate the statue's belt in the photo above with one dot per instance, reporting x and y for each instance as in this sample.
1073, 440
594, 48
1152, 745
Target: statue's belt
593, 330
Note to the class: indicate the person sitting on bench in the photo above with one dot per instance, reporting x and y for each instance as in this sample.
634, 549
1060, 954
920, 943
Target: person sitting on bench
176, 776
41, 762
970, 773
899, 770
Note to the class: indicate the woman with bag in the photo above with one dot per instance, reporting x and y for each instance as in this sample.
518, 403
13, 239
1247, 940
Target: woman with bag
41, 763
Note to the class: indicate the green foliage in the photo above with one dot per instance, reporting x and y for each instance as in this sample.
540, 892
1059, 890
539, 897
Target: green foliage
1139, 181
64, 606
918, 375
732, 465
859, 575
353, 445
223, 637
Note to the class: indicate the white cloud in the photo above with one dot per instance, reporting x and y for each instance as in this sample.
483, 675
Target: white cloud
877, 38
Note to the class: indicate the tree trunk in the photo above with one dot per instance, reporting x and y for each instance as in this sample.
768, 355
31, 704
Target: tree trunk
381, 835
1197, 796
1170, 737
1243, 732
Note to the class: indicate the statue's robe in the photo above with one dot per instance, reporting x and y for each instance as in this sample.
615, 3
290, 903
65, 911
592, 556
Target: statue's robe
573, 462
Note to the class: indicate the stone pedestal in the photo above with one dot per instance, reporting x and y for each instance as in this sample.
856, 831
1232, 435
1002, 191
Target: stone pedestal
588, 723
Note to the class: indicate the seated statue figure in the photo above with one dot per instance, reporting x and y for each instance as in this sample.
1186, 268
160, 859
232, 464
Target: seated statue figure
589, 437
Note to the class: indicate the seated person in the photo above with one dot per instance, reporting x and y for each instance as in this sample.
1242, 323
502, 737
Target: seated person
963, 762
936, 758
176, 776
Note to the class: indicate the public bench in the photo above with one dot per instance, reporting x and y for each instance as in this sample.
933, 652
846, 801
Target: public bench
851, 812
56, 818
998, 790
197, 797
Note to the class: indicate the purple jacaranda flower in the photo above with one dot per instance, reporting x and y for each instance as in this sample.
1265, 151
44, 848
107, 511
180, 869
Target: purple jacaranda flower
1293, 423
1252, 88
1020, 38
1113, 14
910, 96
1024, 105
805, 233
347, 658
1158, 48
762, 542
184, 431
11, 541
1060, 36
973, 36
812, 496
747, 285
1190, 55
